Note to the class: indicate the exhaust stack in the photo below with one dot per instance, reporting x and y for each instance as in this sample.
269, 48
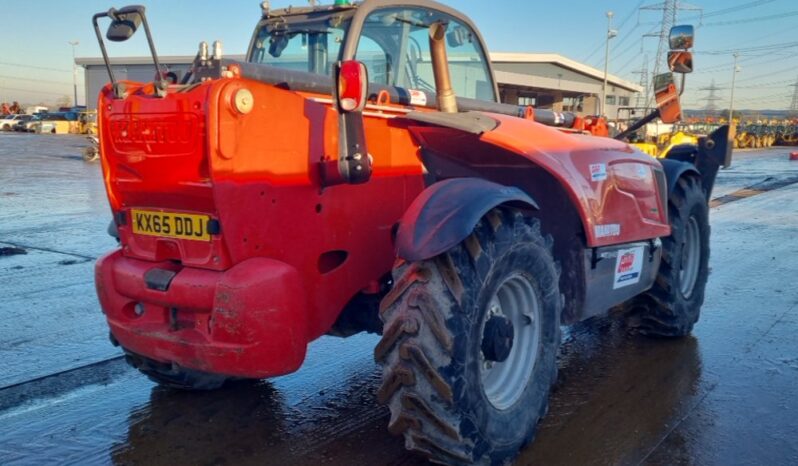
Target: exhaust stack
447, 100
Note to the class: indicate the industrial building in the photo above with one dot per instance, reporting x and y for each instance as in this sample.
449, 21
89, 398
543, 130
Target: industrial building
544, 80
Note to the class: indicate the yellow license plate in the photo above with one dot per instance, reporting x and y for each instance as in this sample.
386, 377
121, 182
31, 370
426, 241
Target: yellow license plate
170, 225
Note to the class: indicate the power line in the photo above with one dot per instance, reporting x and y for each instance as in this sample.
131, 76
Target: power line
753, 59
620, 26
32, 91
753, 20
21, 65
36, 80
732, 9
759, 48
765, 75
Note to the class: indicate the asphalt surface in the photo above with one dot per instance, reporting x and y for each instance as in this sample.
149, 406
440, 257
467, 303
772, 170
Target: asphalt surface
726, 395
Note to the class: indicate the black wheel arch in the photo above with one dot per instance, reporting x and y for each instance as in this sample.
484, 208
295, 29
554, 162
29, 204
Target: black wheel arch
445, 213
675, 169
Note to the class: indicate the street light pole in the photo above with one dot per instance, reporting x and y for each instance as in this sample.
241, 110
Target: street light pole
610, 35
74, 43
735, 70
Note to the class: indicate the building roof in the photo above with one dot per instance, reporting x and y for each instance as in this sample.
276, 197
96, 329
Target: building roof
565, 62
496, 57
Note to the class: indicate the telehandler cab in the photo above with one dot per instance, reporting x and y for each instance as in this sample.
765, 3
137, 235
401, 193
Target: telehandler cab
358, 173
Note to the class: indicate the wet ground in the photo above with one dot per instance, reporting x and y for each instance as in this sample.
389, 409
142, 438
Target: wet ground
727, 395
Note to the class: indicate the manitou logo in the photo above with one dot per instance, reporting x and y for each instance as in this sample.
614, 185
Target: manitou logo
626, 263
153, 134
628, 267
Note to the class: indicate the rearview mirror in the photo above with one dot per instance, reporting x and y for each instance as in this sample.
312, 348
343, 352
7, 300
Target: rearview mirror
681, 37
667, 97
124, 23
680, 62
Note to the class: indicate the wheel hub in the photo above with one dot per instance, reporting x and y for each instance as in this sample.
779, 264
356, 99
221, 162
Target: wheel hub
690, 258
497, 340
510, 340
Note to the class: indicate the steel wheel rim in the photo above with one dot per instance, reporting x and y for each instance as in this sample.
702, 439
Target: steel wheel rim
691, 258
504, 382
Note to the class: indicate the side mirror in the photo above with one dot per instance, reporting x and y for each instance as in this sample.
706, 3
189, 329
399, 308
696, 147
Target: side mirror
680, 62
681, 37
124, 22
667, 97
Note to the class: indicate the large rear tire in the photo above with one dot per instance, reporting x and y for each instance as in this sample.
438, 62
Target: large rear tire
673, 304
470, 343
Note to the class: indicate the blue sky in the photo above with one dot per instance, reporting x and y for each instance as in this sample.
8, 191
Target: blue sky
35, 58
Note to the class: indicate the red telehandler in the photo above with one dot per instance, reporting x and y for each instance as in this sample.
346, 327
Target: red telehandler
358, 173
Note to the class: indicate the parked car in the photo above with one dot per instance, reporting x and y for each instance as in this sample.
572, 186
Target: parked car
57, 123
7, 122
26, 126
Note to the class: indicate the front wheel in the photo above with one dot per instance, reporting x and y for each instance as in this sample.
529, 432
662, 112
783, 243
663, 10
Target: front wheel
470, 343
673, 304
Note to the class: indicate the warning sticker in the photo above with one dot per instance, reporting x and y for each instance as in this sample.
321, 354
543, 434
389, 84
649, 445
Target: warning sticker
598, 172
418, 98
628, 267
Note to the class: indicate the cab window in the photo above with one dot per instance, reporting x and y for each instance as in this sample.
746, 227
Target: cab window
310, 46
394, 46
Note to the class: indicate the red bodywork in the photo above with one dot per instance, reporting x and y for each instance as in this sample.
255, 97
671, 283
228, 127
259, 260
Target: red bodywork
291, 253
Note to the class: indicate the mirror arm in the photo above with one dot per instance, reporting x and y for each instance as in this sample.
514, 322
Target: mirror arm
160, 84
116, 86
681, 88
637, 125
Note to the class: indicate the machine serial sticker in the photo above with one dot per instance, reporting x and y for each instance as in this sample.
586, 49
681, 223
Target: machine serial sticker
598, 172
628, 267
605, 231
418, 98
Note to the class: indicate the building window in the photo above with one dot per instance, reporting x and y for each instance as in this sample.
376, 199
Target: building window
573, 104
623, 101
527, 101
610, 100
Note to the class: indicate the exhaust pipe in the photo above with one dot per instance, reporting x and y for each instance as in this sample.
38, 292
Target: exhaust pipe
447, 101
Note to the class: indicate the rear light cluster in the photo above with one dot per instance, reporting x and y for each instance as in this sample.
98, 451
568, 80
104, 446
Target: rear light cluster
352, 86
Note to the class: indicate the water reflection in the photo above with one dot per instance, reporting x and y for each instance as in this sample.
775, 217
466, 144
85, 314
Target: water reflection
617, 397
229, 426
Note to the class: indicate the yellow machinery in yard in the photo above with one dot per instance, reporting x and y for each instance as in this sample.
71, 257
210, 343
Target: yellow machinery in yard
87, 122
666, 142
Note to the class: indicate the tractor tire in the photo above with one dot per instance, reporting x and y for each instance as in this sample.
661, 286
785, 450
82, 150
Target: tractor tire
673, 304
90, 154
470, 343
174, 376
